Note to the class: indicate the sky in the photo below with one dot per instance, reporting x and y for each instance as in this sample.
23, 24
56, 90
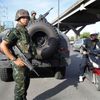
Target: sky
9, 7
8, 10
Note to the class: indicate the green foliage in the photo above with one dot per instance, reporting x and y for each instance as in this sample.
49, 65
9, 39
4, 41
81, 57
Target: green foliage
1, 28
72, 38
85, 35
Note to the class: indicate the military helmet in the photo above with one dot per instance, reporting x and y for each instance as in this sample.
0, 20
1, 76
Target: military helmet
33, 12
21, 13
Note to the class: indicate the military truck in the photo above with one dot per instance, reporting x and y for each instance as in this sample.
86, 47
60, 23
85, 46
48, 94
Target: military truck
52, 47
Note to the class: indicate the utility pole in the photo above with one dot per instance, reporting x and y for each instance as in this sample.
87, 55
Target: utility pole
58, 13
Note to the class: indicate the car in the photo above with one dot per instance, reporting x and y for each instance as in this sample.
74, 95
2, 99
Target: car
77, 44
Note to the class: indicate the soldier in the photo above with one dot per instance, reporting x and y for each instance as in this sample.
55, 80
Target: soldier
19, 36
89, 45
33, 16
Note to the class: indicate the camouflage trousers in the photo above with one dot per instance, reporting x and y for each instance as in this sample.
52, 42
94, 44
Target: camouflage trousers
22, 80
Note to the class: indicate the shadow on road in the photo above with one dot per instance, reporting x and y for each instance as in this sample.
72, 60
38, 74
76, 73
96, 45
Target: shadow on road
72, 73
53, 91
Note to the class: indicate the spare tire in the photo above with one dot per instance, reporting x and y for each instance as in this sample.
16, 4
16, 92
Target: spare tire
45, 38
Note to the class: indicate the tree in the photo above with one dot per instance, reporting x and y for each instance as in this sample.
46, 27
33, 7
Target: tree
1, 28
85, 35
72, 38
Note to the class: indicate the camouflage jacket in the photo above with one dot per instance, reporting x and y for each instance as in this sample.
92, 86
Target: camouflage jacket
19, 36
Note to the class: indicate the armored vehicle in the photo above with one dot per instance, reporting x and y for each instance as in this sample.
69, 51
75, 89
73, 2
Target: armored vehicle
52, 47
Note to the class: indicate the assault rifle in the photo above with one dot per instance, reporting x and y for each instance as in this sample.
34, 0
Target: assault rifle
41, 17
24, 58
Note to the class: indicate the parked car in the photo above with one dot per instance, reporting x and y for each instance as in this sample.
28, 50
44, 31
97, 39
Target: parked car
77, 44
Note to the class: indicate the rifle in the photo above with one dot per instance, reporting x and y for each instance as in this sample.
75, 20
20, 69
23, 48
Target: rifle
24, 58
44, 15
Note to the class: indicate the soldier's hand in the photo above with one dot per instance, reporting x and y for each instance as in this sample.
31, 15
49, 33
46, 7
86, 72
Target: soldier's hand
19, 62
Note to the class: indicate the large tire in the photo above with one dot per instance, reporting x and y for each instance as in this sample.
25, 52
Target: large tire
45, 38
5, 69
6, 74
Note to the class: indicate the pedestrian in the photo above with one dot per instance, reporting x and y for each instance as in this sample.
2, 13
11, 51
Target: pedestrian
19, 36
88, 45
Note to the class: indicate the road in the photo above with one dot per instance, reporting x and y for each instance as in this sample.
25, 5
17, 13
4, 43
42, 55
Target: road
53, 89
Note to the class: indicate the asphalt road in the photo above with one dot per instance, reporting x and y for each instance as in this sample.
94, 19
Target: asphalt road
53, 89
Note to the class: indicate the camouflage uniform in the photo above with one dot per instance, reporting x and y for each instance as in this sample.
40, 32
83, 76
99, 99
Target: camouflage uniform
33, 18
20, 37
